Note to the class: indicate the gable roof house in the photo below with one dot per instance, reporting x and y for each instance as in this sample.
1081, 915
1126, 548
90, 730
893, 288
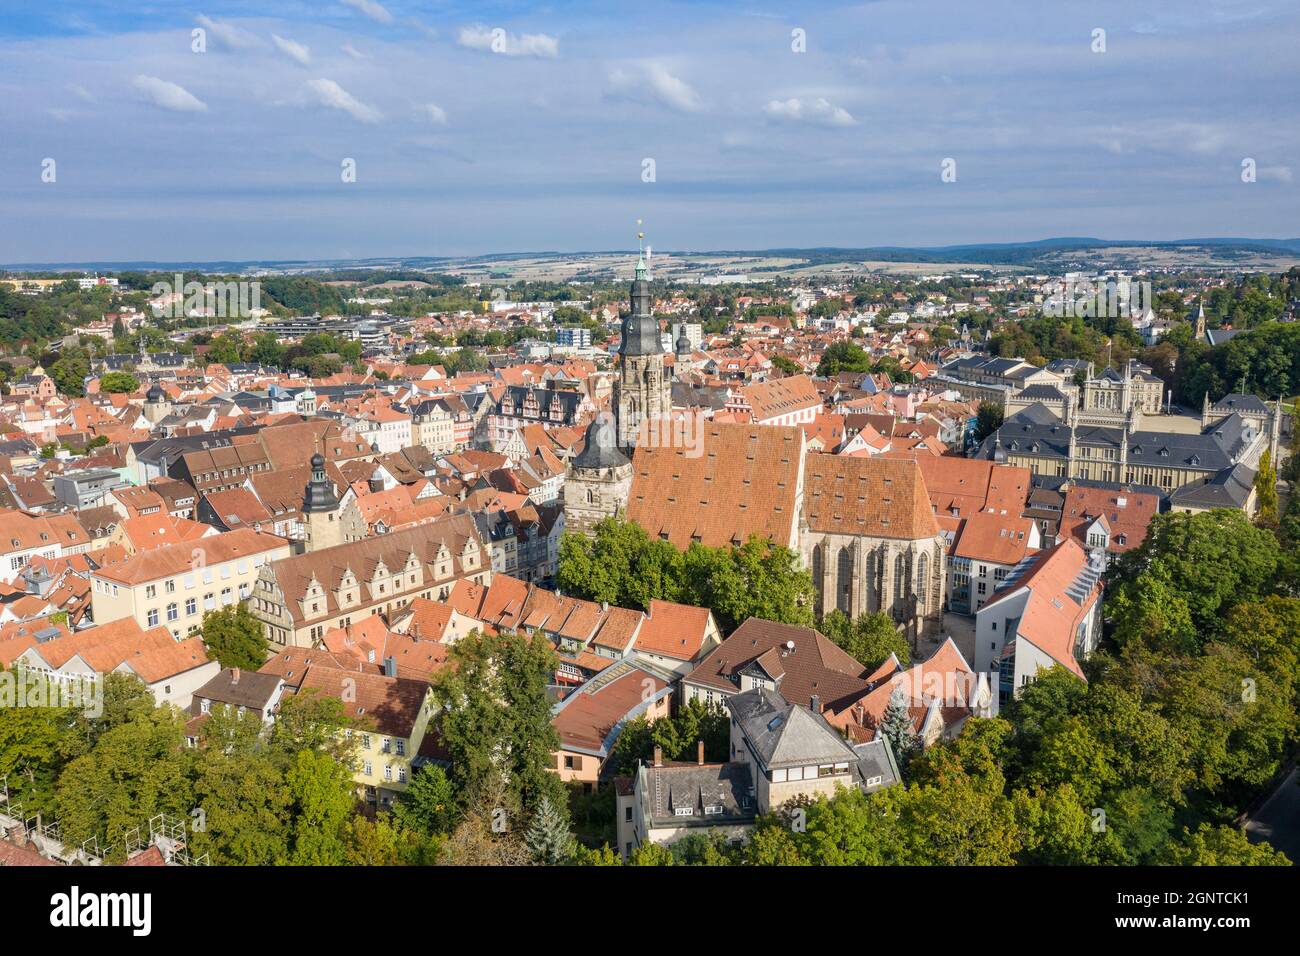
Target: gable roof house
1047, 613
799, 661
300, 598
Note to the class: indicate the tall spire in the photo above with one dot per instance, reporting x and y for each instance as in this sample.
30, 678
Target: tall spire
640, 329
640, 253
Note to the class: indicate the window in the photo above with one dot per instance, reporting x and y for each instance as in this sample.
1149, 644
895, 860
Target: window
170, 587
369, 768
150, 591
401, 747
172, 611
874, 781
627, 814
153, 617
388, 771
191, 607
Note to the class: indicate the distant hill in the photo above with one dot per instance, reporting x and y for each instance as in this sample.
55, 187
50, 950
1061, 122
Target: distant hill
1045, 252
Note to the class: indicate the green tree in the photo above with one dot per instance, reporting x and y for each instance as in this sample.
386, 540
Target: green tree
135, 771
235, 638
870, 639
1220, 846
896, 726
1210, 560
1266, 491
118, 383
988, 419
494, 717
548, 837
320, 788
428, 805
843, 357
246, 807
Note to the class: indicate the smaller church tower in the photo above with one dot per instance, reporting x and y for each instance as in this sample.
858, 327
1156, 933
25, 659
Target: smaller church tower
682, 352
156, 404
320, 509
599, 480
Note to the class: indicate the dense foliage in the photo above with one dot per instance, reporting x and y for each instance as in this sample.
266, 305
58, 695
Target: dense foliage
624, 566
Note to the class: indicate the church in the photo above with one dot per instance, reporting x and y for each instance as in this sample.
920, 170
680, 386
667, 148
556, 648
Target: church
600, 477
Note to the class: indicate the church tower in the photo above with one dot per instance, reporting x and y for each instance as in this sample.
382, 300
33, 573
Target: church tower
156, 404
320, 509
642, 389
599, 480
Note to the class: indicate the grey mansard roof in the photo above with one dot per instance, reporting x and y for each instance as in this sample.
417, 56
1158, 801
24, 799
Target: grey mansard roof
1230, 488
1218, 446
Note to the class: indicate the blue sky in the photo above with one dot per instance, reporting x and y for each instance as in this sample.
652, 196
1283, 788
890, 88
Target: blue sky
502, 127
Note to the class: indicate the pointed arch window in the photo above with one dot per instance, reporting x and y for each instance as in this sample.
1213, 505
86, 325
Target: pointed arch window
844, 575
922, 580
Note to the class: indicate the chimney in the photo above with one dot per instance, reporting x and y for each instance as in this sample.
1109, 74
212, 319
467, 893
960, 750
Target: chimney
659, 756
815, 705
700, 752
234, 676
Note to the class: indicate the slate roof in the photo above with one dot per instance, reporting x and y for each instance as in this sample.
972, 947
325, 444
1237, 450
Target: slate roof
781, 734
698, 786
1230, 488
601, 448
249, 689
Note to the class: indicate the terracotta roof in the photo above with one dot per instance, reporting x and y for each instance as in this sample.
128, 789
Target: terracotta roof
877, 497
781, 396
995, 538
388, 705
1127, 513
176, 559
673, 630
744, 481
587, 718
329, 566
1062, 591
153, 655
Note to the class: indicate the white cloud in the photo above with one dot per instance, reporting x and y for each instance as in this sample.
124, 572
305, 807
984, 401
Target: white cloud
168, 95
353, 52
819, 111
653, 82
227, 34
1281, 174
292, 49
497, 40
81, 93
375, 11
330, 94
434, 113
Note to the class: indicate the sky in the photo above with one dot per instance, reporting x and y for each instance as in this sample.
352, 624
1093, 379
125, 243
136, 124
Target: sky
477, 128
